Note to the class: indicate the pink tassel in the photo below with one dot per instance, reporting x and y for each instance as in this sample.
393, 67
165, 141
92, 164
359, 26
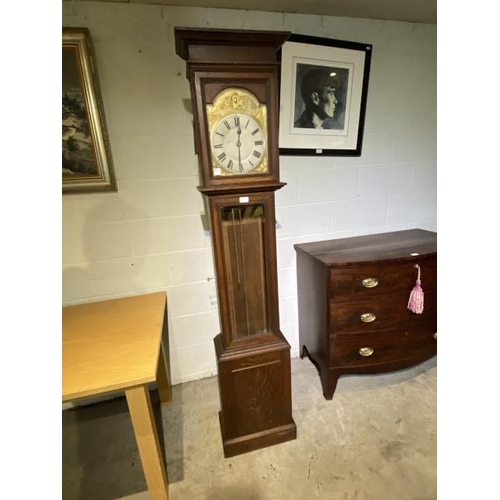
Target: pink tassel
416, 301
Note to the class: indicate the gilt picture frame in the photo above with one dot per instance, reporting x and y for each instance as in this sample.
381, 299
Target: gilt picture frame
323, 96
87, 164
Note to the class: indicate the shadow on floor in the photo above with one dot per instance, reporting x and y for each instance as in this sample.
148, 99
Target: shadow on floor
99, 446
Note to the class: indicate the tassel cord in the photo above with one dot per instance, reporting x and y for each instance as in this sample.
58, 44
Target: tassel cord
416, 300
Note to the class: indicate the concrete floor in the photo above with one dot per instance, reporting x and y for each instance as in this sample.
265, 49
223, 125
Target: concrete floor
375, 440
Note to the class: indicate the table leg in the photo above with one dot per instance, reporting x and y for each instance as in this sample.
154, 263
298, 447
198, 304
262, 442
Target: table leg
146, 434
163, 378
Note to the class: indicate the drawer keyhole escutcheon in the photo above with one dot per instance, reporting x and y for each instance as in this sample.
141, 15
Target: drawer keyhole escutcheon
435, 336
366, 351
370, 282
368, 317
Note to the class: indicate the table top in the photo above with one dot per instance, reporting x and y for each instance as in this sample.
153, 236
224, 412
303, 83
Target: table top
111, 345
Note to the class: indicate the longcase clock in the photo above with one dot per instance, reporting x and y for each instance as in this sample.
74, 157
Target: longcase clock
233, 76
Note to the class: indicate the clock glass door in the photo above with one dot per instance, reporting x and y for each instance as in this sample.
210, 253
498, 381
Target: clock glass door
244, 261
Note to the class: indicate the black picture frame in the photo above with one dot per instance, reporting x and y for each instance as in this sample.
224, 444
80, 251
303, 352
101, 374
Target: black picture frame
323, 128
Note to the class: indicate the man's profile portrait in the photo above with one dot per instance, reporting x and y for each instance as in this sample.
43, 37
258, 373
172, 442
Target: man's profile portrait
320, 97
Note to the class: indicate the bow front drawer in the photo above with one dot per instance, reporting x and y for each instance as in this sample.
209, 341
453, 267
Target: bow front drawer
386, 346
370, 281
380, 312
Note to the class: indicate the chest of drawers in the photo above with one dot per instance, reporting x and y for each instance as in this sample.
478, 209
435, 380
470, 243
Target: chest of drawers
353, 296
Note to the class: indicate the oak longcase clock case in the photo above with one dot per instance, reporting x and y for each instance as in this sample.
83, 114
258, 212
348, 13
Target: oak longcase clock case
233, 77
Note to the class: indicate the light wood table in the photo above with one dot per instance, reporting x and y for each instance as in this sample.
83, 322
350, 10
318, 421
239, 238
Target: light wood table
117, 345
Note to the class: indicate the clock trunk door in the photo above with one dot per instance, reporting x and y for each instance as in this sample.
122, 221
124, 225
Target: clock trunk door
244, 262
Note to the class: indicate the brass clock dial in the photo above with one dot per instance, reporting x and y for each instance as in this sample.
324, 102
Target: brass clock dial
238, 138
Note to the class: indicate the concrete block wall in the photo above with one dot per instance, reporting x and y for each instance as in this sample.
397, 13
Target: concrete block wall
151, 235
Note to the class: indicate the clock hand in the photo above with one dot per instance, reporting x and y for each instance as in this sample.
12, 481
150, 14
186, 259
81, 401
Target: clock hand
238, 144
239, 136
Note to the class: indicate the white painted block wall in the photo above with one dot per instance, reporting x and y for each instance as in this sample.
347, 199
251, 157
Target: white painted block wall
151, 234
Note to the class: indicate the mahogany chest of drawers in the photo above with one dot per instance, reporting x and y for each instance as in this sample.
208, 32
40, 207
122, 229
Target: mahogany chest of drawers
353, 303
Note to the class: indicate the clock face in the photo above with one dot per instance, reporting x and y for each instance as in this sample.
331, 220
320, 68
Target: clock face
238, 143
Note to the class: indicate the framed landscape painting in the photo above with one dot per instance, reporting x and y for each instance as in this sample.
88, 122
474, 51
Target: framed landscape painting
323, 95
86, 156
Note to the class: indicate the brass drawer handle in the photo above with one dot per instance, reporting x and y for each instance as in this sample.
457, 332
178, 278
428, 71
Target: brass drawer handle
366, 351
435, 336
368, 317
370, 282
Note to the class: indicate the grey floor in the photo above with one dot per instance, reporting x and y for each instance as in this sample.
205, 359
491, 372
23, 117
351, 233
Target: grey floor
375, 440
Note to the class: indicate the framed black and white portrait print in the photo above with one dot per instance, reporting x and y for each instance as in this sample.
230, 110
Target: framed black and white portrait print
323, 93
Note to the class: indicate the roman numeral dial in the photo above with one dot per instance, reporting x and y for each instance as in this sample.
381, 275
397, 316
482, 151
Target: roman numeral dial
238, 144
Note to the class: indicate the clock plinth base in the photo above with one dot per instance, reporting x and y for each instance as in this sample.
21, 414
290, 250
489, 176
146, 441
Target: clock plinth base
255, 394
257, 441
